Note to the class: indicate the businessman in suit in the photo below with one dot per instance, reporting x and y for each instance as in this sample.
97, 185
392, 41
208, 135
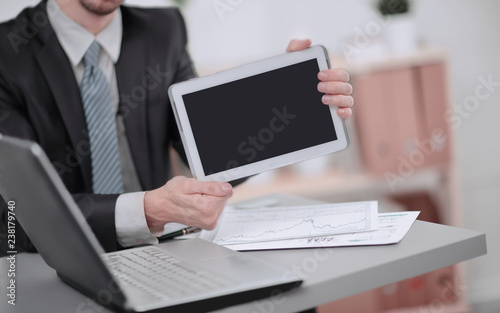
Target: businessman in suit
61, 61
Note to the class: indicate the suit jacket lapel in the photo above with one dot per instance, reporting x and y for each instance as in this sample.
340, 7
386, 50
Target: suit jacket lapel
130, 72
61, 80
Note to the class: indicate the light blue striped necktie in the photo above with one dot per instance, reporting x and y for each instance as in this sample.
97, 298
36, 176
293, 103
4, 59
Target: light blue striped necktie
101, 125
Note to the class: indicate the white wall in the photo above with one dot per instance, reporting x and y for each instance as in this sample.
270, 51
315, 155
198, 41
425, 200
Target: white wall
467, 28
260, 28
9, 9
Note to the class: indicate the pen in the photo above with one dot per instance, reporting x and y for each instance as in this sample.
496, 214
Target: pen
181, 232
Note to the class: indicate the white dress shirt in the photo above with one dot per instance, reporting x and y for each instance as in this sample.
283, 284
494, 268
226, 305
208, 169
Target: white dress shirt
130, 220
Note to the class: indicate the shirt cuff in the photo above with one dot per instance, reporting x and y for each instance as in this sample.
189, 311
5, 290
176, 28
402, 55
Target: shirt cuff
130, 221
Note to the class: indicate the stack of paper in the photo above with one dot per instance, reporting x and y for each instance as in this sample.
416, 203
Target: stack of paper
323, 225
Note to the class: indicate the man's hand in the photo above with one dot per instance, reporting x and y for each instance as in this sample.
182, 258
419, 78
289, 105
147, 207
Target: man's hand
334, 83
187, 201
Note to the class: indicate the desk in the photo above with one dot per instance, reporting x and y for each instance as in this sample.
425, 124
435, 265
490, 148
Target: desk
329, 273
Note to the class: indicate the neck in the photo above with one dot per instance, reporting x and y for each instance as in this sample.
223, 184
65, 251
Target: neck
92, 22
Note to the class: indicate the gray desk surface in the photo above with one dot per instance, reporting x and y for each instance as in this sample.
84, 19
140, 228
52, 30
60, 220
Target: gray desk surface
329, 273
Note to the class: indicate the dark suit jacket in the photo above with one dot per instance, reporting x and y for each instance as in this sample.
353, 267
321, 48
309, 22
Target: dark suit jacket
40, 101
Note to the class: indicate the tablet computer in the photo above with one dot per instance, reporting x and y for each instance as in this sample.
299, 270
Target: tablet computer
257, 117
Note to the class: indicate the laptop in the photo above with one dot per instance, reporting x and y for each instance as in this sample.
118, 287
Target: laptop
190, 275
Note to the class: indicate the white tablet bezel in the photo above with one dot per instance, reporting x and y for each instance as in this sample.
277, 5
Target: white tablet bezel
176, 92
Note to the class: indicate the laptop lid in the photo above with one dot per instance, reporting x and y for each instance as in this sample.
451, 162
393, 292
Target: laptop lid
46, 210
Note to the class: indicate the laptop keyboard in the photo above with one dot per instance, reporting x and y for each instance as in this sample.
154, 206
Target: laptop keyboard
161, 275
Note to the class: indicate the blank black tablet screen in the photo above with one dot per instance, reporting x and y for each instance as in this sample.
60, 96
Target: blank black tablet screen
259, 117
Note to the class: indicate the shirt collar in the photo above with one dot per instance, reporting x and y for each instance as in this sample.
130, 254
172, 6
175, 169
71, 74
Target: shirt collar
75, 39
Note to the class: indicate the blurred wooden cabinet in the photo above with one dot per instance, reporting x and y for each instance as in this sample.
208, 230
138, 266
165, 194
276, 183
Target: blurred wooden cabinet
386, 105
400, 115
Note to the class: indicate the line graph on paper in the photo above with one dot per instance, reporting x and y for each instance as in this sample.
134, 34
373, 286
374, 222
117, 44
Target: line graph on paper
255, 225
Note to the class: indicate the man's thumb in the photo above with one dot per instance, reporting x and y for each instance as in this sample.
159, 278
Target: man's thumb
216, 188
298, 44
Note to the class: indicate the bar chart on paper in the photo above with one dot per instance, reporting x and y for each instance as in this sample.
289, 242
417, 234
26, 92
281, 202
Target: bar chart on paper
267, 224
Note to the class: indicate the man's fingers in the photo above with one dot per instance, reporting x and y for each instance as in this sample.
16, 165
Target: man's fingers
335, 88
333, 75
338, 100
344, 113
298, 44
216, 213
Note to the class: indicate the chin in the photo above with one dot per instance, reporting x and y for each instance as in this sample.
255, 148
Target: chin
101, 7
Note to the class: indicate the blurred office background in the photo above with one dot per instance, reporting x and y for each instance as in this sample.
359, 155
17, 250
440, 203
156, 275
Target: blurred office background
404, 92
